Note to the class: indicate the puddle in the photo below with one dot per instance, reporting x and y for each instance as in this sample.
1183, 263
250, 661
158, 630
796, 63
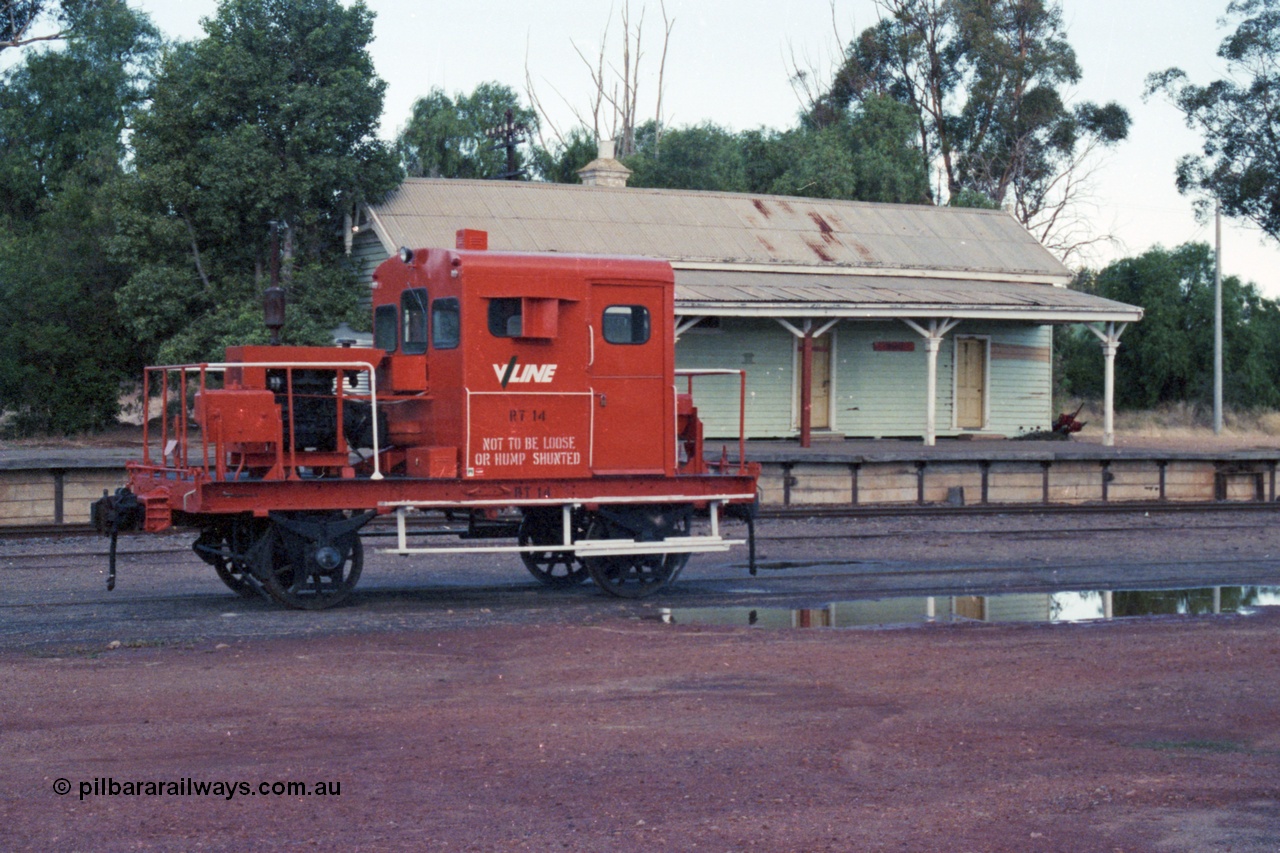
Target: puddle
1044, 607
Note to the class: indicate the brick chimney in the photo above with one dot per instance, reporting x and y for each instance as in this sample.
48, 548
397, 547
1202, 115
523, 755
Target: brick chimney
604, 171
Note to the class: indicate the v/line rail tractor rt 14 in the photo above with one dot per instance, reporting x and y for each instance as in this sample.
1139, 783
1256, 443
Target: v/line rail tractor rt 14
535, 395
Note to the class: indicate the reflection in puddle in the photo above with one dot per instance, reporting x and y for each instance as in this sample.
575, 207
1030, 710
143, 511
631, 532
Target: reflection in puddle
1013, 607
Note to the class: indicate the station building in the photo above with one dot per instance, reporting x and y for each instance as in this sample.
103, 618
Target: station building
852, 319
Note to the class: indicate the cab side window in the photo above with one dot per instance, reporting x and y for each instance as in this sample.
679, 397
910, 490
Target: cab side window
384, 327
625, 324
413, 308
505, 318
446, 328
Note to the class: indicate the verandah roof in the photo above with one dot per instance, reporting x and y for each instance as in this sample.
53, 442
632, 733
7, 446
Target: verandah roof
771, 294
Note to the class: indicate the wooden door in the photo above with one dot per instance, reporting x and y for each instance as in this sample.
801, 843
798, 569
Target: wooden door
971, 382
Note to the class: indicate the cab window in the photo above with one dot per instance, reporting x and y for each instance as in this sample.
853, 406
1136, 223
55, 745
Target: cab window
625, 324
505, 318
413, 309
446, 329
384, 328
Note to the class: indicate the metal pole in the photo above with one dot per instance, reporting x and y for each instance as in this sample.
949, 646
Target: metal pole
1217, 320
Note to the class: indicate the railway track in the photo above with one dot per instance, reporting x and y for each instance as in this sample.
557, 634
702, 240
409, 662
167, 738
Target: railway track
382, 527
902, 510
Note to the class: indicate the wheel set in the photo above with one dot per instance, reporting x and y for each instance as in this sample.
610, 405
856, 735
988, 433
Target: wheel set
305, 563
620, 574
313, 561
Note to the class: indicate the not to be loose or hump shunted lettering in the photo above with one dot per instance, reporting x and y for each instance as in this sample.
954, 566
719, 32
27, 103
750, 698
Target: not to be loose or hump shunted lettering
508, 451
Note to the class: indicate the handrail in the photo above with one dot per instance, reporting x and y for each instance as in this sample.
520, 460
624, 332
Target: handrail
204, 368
689, 373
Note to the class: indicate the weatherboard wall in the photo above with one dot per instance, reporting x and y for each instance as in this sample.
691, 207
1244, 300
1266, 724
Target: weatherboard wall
876, 391
765, 351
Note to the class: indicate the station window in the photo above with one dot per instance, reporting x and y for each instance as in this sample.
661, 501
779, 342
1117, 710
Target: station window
626, 324
446, 330
384, 327
505, 318
413, 307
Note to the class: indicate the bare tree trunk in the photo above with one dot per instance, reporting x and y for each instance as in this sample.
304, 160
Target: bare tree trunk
615, 101
195, 251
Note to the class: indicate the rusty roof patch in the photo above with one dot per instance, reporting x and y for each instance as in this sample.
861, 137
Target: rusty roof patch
863, 252
762, 207
822, 224
819, 250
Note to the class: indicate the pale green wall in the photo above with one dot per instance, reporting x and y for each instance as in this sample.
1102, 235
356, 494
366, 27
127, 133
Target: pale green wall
366, 253
764, 350
876, 394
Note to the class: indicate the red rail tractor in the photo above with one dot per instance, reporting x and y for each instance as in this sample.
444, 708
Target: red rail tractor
535, 395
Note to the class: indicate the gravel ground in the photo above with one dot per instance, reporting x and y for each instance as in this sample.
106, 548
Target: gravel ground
462, 707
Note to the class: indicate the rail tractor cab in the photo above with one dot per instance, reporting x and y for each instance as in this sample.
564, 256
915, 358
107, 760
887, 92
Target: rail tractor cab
536, 394
526, 368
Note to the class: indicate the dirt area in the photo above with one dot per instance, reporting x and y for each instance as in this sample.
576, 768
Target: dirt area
520, 722
1144, 735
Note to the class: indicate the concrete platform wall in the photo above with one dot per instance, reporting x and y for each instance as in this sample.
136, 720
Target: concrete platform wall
34, 496
43, 496
1016, 482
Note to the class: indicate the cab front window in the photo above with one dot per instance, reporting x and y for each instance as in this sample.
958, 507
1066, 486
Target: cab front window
413, 309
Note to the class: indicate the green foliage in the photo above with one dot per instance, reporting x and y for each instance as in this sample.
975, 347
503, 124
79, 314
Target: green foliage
982, 80
62, 117
1168, 356
867, 155
270, 118
972, 199
445, 137
1240, 160
27, 22
700, 157
560, 164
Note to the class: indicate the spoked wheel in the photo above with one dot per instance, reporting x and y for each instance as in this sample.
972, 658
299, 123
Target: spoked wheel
227, 548
303, 568
637, 575
556, 569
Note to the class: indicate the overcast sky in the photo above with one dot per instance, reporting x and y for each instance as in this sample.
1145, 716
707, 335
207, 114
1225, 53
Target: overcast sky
729, 63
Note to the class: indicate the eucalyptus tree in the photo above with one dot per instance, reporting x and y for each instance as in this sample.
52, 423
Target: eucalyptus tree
1168, 357
65, 112
1239, 163
457, 137
265, 125
984, 80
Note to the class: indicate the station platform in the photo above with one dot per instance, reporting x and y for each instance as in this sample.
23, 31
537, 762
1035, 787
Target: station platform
986, 471
56, 484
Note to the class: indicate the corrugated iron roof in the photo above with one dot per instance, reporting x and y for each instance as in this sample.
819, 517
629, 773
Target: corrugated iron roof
730, 292
685, 226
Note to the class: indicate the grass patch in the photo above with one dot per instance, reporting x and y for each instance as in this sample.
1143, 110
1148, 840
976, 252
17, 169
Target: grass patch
1181, 424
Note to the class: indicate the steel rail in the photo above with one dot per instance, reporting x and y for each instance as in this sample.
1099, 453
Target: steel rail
814, 511
801, 511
